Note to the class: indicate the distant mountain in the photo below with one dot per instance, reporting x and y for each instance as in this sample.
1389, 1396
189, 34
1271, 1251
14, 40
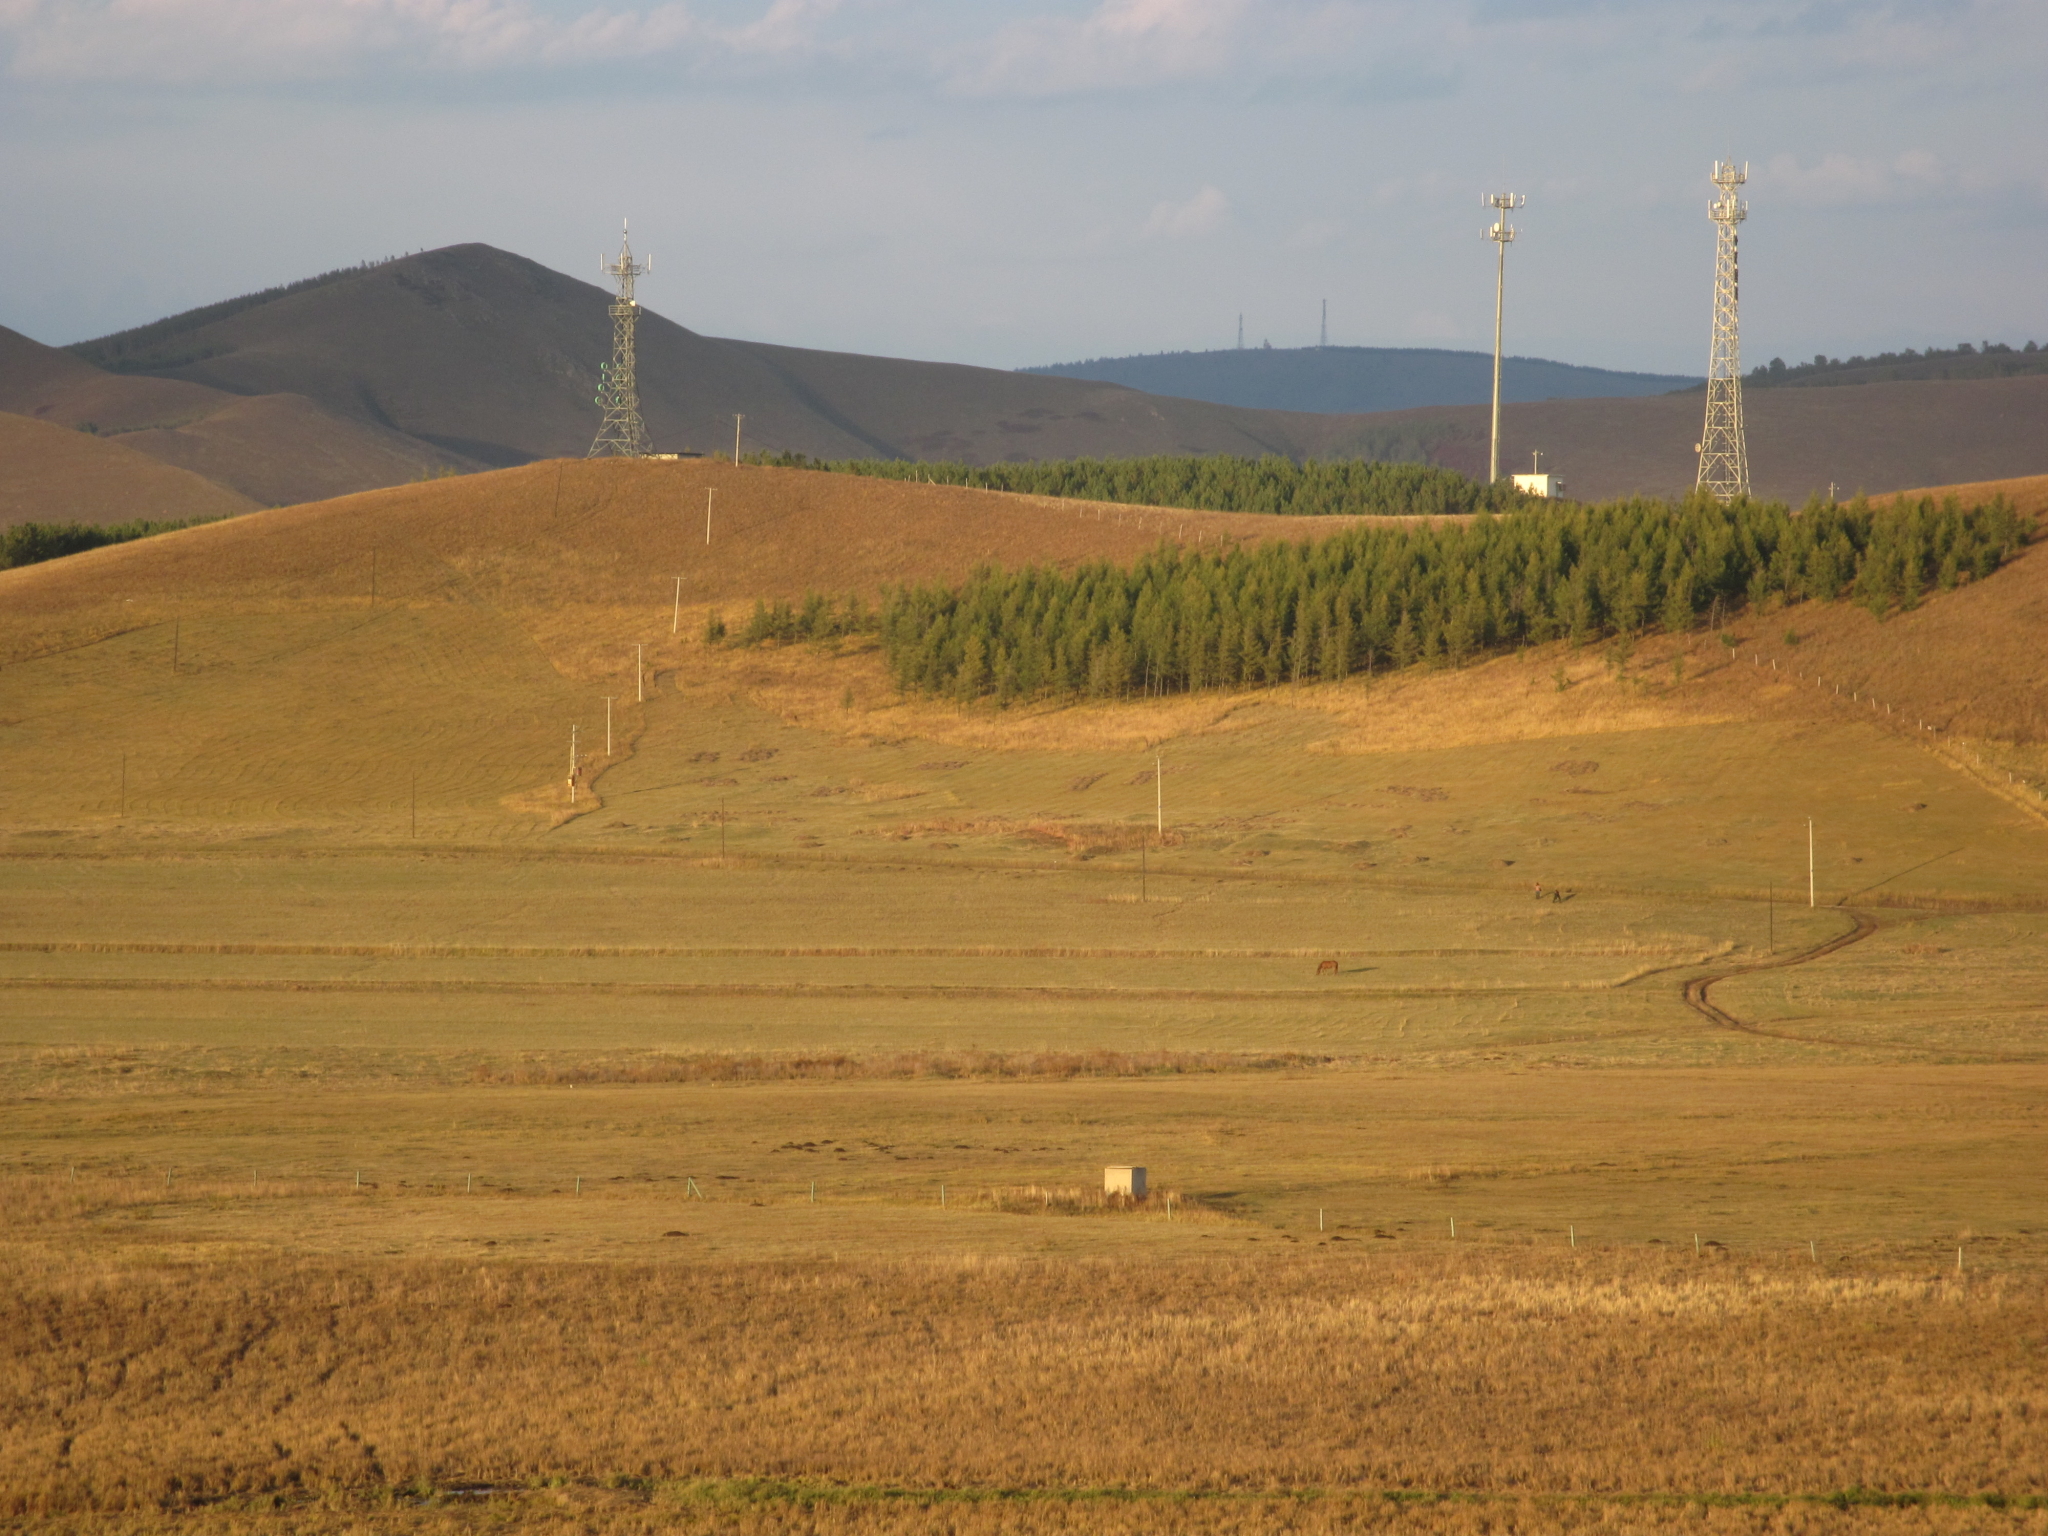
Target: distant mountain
1883, 437
1994, 360
56, 474
267, 450
492, 358
468, 357
1351, 380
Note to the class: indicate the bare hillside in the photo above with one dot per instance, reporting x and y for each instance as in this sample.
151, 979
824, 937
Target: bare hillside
548, 539
488, 355
472, 356
56, 475
270, 450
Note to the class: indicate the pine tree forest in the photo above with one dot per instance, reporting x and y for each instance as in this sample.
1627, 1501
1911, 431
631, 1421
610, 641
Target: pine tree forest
1207, 483
1324, 609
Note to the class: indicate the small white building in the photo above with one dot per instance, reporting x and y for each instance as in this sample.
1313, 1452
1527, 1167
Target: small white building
1536, 483
1124, 1179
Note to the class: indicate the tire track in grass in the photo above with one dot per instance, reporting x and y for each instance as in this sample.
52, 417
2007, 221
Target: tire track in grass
1695, 991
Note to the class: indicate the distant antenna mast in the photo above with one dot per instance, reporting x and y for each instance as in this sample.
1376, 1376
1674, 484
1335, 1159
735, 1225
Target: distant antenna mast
1240, 330
1501, 234
623, 434
1326, 325
1724, 456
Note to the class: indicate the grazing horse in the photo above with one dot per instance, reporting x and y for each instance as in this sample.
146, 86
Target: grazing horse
1330, 966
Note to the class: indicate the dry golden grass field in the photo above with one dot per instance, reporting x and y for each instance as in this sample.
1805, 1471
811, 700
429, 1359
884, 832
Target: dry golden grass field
391, 1143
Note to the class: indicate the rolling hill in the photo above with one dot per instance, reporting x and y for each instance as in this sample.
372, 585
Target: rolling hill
1358, 380
266, 450
56, 475
492, 357
469, 356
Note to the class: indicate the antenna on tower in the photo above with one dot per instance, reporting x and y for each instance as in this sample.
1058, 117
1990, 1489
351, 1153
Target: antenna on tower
1502, 234
623, 434
1724, 455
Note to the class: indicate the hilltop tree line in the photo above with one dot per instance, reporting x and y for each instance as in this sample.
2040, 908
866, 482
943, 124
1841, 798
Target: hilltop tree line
1322, 610
33, 543
1994, 359
1206, 483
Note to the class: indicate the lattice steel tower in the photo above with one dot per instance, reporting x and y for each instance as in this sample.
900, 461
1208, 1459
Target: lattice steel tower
1724, 456
624, 434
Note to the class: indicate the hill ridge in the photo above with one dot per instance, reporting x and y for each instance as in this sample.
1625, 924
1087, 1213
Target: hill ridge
1356, 380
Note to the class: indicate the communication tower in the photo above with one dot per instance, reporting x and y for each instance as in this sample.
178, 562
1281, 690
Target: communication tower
1502, 234
1724, 456
623, 434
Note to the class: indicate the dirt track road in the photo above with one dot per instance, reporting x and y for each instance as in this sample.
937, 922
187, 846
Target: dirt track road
1696, 990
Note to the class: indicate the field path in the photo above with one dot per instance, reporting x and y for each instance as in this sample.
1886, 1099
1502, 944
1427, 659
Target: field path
1695, 991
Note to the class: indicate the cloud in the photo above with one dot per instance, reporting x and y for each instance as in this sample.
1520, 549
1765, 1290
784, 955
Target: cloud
275, 42
1840, 179
1207, 211
1124, 43
1127, 45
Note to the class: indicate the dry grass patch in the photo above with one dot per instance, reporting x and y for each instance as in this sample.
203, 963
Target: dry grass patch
1492, 1373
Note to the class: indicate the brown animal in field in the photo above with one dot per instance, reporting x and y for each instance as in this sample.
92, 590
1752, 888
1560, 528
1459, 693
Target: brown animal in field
1327, 965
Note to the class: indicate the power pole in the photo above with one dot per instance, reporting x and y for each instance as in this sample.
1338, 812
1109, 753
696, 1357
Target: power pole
623, 434
1502, 234
1724, 455
572, 765
1325, 341
608, 724
709, 492
676, 619
1240, 330
1809, 862
639, 674
1159, 795
736, 420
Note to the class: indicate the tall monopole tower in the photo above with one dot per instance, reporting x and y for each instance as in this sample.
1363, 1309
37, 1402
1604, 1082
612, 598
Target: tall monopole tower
623, 434
1724, 457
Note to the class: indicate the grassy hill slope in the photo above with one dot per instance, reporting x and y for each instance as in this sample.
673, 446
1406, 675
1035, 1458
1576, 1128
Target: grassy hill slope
1354, 380
505, 604
470, 355
56, 475
270, 450
722, 1149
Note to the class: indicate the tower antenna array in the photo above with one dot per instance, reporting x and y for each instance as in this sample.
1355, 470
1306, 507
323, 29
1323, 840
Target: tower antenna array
1502, 234
623, 434
1724, 456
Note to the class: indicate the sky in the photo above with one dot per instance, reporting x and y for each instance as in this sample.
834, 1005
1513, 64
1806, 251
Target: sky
1012, 182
